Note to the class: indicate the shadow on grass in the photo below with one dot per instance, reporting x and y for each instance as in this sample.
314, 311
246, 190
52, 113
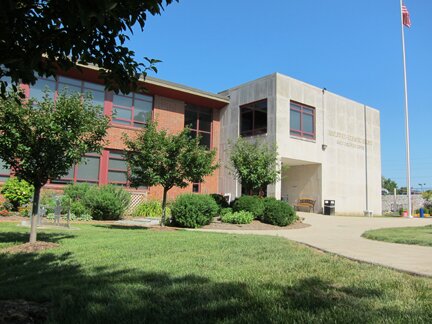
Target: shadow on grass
125, 227
101, 295
18, 237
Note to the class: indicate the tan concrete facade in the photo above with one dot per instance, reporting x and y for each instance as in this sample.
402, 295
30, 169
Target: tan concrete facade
343, 160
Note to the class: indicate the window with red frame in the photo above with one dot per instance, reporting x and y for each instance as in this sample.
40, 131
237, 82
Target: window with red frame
132, 110
117, 168
37, 91
253, 118
85, 171
199, 120
4, 171
302, 120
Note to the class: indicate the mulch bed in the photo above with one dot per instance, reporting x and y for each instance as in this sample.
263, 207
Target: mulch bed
12, 219
23, 312
30, 248
255, 225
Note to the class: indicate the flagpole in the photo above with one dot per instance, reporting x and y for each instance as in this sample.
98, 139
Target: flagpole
407, 132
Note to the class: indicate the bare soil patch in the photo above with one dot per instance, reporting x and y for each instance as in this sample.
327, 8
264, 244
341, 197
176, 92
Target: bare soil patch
23, 312
30, 248
255, 225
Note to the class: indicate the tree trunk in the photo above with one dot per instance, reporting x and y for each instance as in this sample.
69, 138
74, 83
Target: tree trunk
35, 210
164, 207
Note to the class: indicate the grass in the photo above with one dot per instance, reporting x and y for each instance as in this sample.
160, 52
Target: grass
103, 274
405, 235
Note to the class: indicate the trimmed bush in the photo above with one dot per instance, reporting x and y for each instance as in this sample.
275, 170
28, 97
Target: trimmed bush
17, 192
241, 217
192, 210
278, 212
152, 209
252, 204
220, 201
106, 202
225, 211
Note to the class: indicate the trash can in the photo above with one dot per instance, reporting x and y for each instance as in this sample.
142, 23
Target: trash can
329, 207
421, 213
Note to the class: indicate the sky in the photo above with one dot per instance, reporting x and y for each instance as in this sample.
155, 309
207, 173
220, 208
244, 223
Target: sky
352, 48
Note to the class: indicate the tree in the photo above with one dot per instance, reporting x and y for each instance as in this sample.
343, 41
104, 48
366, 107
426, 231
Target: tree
39, 36
254, 164
388, 184
427, 195
42, 140
158, 158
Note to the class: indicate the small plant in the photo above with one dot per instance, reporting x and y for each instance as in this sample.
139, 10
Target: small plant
4, 212
17, 192
241, 217
278, 212
192, 210
7, 205
252, 204
106, 202
24, 211
152, 209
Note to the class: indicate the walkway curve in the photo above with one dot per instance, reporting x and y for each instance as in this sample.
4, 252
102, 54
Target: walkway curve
342, 235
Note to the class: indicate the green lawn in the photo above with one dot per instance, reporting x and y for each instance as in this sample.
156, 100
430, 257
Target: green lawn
103, 274
406, 235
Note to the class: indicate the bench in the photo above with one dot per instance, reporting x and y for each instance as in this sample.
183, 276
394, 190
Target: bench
305, 203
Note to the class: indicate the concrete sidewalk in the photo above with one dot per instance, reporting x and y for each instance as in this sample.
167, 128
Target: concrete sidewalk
342, 235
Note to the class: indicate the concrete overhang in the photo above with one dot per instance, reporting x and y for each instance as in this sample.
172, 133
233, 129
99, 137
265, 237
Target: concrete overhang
294, 162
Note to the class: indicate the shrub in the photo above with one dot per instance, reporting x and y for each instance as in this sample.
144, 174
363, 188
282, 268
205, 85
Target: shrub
220, 201
77, 191
152, 208
252, 204
17, 192
106, 202
225, 211
192, 210
7, 205
241, 217
48, 200
77, 208
24, 211
278, 212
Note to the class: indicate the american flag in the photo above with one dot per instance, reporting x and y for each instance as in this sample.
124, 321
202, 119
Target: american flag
406, 16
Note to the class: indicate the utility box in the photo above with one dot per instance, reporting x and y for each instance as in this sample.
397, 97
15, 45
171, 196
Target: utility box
329, 207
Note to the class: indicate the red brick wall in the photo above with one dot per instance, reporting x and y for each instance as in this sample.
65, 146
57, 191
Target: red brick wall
170, 116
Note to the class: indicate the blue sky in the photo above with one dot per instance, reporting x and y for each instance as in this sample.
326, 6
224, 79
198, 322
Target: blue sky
353, 48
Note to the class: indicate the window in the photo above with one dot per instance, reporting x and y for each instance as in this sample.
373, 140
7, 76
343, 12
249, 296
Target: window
85, 171
196, 187
132, 110
4, 171
253, 118
37, 91
117, 168
199, 120
71, 86
302, 120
